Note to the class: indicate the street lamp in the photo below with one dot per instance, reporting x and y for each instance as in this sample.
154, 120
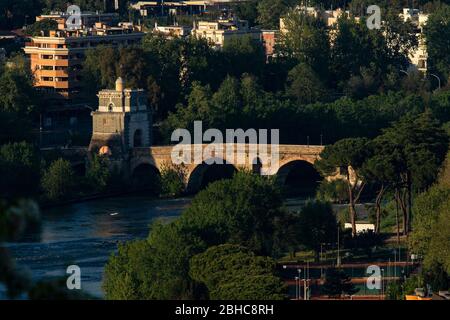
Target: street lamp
297, 288
299, 283
439, 79
338, 248
321, 260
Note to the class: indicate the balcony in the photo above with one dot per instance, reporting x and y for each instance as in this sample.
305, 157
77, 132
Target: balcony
52, 73
53, 84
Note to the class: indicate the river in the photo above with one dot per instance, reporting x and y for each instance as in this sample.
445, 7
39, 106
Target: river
85, 234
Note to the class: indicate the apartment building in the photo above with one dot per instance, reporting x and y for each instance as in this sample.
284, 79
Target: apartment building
56, 60
160, 8
219, 32
87, 19
172, 31
419, 56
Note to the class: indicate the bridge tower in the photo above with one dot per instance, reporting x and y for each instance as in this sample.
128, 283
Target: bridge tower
122, 122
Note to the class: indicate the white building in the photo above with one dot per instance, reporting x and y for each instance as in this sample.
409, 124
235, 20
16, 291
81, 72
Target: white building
219, 32
419, 56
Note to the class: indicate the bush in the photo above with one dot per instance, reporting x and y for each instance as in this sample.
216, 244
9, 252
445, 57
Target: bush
98, 174
172, 180
394, 291
58, 181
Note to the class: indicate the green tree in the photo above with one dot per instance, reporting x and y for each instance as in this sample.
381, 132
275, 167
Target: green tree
247, 10
337, 283
438, 250
244, 55
316, 224
304, 84
270, 11
156, 268
58, 180
198, 108
437, 37
305, 40
19, 169
127, 273
417, 147
226, 104
132, 67
16, 92
234, 272
98, 174
425, 216
347, 156
243, 210
99, 70
379, 170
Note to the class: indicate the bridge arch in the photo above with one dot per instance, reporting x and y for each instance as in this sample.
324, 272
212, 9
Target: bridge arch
146, 176
298, 177
204, 174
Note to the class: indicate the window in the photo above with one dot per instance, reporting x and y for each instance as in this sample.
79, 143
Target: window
137, 139
47, 122
110, 107
73, 121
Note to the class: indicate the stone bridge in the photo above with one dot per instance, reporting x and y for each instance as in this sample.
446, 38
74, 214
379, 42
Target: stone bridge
242, 156
151, 160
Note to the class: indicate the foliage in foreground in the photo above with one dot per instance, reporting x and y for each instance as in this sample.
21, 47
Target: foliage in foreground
231, 272
244, 211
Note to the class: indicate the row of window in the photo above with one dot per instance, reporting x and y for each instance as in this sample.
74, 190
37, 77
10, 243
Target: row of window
61, 57
73, 121
61, 79
56, 79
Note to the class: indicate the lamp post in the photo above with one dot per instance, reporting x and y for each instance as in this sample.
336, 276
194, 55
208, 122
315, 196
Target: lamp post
338, 248
321, 260
299, 282
439, 79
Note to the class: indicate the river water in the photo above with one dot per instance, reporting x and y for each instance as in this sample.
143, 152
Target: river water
85, 234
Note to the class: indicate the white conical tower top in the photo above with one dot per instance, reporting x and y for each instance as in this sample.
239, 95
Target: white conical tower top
119, 84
